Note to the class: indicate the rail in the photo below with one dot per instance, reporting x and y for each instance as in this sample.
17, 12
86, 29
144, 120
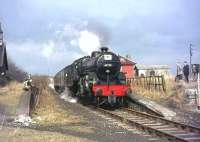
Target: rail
173, 131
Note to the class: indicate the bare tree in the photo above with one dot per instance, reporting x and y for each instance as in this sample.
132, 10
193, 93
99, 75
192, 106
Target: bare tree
14, 72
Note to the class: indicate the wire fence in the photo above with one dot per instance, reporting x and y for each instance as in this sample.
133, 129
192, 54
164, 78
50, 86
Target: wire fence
151, 83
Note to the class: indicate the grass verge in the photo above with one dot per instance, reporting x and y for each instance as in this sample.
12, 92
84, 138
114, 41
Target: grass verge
50, 112
172, 97
24, 135
10, 96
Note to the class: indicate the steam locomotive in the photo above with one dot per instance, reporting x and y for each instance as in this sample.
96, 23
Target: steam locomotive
96, 77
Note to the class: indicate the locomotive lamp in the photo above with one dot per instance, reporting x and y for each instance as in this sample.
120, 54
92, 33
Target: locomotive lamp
3, 73
1, 36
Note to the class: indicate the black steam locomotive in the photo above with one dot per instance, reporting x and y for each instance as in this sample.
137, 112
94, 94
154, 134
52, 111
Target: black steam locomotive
97, 77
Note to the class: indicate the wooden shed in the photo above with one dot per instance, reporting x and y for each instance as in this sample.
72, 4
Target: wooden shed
127, 67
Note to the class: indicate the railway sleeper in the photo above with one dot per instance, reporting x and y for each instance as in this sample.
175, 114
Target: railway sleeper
156, 132
170, 136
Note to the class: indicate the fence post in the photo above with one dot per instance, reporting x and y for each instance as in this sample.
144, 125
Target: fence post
159, 83
163, 82
145, 83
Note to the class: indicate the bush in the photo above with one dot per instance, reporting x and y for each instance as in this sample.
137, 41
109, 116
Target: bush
14, 73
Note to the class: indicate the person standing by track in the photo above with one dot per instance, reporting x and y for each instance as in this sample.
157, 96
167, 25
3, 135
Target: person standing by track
186, 71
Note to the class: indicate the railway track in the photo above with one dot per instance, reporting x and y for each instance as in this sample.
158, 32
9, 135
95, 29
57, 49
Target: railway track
155, 125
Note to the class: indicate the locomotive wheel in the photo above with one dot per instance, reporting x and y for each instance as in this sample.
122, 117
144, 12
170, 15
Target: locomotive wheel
96, 101
124, 102
78, 95
121, 101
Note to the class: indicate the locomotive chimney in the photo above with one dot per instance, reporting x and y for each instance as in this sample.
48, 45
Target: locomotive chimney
104, 49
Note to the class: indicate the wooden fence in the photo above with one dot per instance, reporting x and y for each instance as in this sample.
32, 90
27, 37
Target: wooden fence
149, 82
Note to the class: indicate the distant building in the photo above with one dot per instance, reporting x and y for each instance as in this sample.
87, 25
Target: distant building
127, 67
3, 55
153, 70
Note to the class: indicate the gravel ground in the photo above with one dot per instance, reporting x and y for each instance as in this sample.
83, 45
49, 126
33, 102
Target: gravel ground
2, 114
106, 129
189, 117
187, 112
5, 117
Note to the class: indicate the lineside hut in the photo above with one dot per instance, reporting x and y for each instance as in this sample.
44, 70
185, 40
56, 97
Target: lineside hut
127, 67
153, 70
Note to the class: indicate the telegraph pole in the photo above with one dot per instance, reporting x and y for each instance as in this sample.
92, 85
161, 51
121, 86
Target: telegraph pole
190, 58
198, 92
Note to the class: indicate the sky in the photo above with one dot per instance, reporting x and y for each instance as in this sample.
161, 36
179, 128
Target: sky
43, 36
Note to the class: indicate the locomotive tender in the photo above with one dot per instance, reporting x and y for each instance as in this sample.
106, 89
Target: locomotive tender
96, 77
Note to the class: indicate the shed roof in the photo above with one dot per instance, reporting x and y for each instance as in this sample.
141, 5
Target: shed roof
125, 61
152, 67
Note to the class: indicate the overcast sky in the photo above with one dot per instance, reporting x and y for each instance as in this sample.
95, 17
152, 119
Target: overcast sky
42, 36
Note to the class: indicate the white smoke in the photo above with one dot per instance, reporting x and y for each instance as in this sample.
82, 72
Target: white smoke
66, 96
88, 41
64, 44
87, 36
47, 49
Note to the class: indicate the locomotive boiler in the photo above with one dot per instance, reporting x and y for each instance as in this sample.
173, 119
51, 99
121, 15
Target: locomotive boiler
96, 77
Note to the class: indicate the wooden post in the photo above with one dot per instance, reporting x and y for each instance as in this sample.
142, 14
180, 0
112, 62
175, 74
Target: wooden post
142, 82
146, 82
150, 83
157, 83
160, 83
163, 83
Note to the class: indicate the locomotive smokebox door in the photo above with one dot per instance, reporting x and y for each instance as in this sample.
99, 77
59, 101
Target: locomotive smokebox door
107, 57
